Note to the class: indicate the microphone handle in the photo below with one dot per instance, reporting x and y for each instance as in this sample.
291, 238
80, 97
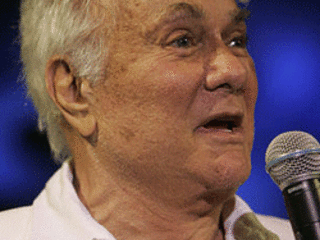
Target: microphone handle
302, 201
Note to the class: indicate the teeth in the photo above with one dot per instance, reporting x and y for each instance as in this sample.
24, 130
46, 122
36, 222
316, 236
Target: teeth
227, 130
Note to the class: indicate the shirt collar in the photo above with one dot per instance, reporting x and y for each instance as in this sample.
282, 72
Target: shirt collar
241, 208
59, 213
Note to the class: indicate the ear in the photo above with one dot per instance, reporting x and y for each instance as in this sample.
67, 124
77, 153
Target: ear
70, 94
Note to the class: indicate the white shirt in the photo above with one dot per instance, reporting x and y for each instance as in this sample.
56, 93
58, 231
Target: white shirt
58, 214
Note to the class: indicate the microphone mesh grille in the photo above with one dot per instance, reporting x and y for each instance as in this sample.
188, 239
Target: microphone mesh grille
291, 167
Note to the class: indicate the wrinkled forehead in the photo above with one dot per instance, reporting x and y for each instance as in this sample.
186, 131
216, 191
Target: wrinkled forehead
197, 10
167, 10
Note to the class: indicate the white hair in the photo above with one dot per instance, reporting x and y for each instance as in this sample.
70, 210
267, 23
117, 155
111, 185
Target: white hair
244, 3
64, 27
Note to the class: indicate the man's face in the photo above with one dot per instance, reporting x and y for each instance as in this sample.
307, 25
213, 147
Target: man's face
178, 102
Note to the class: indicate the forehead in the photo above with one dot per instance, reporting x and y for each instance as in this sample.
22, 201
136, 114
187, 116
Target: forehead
154, 11
198, 8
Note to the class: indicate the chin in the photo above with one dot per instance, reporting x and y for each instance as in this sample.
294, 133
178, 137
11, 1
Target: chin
226, 173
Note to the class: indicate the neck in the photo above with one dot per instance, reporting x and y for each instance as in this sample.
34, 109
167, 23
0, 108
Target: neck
156, 210
131, 214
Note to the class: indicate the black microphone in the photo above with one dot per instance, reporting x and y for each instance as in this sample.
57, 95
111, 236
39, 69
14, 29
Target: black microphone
293, 162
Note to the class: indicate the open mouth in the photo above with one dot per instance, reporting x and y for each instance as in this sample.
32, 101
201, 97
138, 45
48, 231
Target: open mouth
226, 124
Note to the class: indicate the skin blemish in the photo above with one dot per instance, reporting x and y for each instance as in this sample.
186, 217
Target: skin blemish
127, 134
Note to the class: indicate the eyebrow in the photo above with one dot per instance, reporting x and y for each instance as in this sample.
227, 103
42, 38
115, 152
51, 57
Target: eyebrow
196, 12
239, 15
183, 10
175, 12
180, 10
188, 9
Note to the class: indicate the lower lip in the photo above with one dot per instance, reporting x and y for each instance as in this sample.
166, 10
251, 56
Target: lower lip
222, 135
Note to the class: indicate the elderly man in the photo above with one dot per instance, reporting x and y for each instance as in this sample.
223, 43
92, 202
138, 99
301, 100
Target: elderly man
150, 104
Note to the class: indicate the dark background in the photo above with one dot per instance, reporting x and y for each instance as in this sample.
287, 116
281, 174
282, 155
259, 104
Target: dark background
284, 42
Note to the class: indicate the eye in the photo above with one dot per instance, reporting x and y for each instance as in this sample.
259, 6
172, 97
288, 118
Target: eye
183, 42
239, 42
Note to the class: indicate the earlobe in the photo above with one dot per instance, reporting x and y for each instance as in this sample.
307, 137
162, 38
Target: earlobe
70, 94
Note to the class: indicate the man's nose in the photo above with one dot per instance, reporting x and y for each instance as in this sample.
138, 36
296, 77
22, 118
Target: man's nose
226, 70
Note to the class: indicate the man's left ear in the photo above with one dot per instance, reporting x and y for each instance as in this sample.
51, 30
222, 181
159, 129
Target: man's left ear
70, 94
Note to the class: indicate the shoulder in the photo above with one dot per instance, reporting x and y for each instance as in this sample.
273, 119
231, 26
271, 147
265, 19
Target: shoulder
281, 227
15, 224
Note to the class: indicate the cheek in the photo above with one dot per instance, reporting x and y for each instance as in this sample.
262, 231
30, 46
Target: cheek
144, 114
251, 90
252, 85
177, 84
161, 86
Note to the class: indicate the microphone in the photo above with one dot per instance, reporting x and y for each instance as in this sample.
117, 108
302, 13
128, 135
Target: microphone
293, 162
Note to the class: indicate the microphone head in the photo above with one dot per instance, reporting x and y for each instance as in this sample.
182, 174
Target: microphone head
292, 156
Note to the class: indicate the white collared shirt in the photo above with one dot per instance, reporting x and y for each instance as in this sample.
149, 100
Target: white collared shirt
58, 214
